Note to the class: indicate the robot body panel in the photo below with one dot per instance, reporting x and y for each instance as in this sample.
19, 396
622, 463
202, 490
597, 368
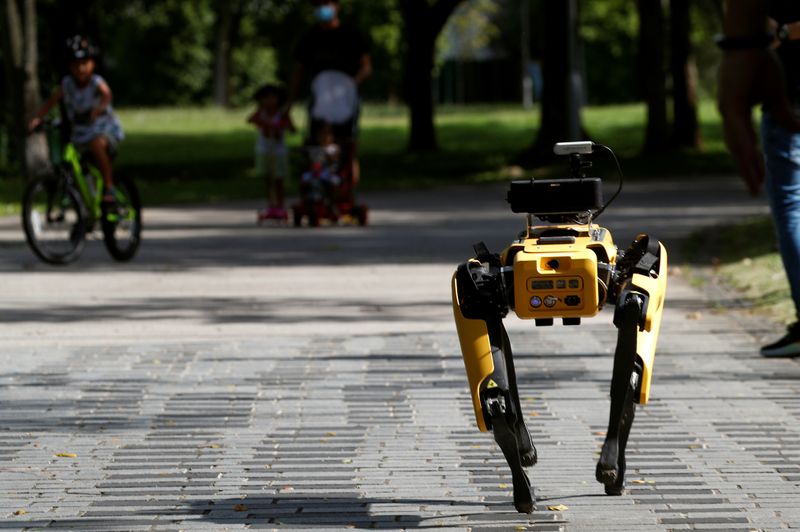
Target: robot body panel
555, 281
647, 337
473, 335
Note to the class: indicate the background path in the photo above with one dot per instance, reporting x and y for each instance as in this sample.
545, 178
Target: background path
243, 377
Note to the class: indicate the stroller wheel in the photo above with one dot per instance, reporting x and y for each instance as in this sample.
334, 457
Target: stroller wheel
360, 212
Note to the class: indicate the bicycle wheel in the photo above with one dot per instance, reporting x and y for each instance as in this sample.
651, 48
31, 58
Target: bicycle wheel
122, 222
54, 220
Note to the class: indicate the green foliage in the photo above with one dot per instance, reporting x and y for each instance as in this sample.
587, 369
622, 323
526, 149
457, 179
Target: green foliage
385, 23
160, 52
253, 63
706, 20
609, 31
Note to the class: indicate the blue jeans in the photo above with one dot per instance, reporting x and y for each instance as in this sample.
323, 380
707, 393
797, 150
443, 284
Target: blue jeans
782, 158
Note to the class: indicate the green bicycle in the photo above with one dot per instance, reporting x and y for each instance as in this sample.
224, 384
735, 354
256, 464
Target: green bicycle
58, 210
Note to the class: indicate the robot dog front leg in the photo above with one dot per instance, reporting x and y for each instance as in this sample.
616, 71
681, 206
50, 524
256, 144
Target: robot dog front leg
640, 302
479, 306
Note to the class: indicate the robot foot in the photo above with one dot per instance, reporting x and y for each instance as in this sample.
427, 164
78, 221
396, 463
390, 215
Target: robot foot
610, 469
504, 436
613, 478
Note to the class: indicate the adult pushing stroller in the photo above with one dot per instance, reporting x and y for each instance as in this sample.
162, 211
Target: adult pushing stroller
327, 188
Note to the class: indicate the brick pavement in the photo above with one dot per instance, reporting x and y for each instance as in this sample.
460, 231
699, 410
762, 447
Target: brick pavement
183, 397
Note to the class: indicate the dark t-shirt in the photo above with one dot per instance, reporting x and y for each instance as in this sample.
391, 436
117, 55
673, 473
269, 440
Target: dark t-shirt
786, 11
332, 49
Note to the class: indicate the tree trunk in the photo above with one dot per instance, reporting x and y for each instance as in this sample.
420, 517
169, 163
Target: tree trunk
20, 54
651, 65
685, 131
37, 157
419, 95
561, 98
222, 54
423, 22
13, 58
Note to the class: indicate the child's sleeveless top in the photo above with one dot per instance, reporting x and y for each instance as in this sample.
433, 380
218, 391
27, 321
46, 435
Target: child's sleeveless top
274, 146
79, 102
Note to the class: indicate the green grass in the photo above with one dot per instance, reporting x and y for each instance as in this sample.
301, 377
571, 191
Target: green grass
205, 154
744, 256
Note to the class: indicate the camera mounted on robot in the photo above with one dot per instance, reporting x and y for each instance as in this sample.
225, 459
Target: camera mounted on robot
575, 199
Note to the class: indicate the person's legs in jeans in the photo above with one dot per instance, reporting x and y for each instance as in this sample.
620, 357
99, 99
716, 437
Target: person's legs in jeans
782, 158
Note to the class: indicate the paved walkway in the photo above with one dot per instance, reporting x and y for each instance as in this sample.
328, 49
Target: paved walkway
272, 378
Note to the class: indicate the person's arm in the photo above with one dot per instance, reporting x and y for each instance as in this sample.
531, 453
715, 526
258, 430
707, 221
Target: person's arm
364, 70
785, 32
748, 77
105, 100
745, 17
54, 98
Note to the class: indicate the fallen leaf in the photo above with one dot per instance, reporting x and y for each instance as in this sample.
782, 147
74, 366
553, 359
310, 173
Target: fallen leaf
503, 486
330, 434
67, 455
20, 512
240, 508
347, 461
694, 315
638, 481
599, 433
558, 508
520, 527
534, 414
211, 446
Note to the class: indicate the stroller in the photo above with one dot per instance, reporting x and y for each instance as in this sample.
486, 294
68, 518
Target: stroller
327, 188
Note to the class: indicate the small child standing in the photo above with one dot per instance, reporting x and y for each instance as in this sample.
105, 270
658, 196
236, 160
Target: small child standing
272, 157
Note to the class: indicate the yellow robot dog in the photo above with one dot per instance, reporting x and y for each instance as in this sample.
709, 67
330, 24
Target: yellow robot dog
568, 269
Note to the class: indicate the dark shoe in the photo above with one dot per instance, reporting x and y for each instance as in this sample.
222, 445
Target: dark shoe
788, 346
109, 196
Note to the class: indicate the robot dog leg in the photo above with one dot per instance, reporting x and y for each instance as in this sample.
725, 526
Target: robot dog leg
479, 307
640, 301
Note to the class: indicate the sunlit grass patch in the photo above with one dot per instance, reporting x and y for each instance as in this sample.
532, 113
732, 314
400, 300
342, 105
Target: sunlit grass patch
745, 258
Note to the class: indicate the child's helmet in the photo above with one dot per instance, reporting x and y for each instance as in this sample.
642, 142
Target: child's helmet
80, 47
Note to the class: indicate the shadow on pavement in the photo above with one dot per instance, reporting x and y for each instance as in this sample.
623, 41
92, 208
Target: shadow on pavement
430, 226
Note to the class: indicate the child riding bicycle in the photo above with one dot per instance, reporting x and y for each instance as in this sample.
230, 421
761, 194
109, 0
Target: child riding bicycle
96, 131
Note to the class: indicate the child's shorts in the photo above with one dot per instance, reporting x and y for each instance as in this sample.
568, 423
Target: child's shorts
272, 165
112, 143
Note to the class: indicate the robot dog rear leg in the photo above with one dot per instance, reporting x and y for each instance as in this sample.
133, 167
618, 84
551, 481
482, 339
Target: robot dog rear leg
611, 467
